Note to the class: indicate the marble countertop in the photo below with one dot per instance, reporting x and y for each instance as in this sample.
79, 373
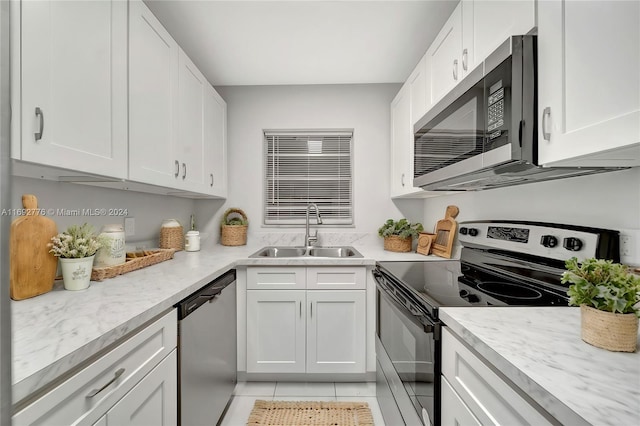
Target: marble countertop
540, 350
54, 332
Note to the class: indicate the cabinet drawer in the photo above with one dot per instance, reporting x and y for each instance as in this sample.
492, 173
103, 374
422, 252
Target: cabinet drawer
489, 397
112, 375
276, 278
336, 278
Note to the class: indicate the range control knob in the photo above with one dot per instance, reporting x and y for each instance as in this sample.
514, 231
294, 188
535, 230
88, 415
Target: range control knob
572, 244
549, 241
473, 232
463, 230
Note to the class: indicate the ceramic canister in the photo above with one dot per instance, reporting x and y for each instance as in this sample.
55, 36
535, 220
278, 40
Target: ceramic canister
192, 241
115, 253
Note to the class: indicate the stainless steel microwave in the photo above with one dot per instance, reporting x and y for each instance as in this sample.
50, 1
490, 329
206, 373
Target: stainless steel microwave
484, 133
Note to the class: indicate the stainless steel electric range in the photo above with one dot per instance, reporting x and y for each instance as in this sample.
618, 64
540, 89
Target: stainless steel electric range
501, 264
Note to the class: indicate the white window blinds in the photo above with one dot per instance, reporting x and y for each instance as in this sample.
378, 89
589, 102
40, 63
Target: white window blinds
308, 167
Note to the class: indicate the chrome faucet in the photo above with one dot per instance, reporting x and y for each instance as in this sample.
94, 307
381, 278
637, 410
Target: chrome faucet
309, 240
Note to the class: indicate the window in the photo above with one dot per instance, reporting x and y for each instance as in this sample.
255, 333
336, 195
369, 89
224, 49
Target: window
304, 167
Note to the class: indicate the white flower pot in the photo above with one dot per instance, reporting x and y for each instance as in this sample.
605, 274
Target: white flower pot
76, 273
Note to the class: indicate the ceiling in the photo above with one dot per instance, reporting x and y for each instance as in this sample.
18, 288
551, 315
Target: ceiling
303, 42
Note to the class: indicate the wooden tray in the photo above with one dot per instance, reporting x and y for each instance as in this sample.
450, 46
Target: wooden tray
445, 232
134, 261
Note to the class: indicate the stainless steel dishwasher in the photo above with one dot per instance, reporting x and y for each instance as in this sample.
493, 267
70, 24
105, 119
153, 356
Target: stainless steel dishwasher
207, 351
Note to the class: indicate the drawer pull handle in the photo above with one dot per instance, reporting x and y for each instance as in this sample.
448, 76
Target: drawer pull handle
117, 374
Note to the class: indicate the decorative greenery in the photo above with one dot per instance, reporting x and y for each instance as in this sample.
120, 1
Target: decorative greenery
76, 242
402, 228
234, 216
602, 284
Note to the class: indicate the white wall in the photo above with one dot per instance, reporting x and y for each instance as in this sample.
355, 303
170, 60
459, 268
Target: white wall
607, 200
365, 108
148, 209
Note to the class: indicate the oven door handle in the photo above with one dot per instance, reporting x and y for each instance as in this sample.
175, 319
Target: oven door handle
428, 325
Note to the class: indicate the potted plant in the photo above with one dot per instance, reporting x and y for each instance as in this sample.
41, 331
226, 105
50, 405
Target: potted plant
233, 228
608, 296
398, 236
76, 248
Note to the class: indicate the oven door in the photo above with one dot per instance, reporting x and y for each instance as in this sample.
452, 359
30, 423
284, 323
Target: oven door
408, 356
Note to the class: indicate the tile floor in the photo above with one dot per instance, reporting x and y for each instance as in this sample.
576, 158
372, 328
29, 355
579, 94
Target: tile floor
246, 394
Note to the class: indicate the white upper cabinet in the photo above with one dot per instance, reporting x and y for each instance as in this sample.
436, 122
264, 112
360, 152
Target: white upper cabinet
444, 57
419, 91
73, 89
216, 143
401, 149
192, 90
488, 23
177, 125
589, 83
153, 99
474, 30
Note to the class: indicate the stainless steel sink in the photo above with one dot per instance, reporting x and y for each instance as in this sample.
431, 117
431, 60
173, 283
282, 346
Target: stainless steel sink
333, 252
280, 252
314, 251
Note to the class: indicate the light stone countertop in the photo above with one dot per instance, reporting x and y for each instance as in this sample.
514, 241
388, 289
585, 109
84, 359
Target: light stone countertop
54, 332
540, 350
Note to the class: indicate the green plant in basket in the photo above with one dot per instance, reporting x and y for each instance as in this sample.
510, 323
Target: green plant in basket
603, 285
402, 228
234, 217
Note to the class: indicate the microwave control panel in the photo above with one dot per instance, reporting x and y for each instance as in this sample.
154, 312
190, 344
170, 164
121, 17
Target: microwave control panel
495, 111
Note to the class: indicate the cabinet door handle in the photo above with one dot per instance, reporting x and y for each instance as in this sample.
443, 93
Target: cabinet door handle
455, 69
311, 309
546, 113
40, 132
402, 180
94, 392
184, 171
300, 309
465, 54
177, 169
211, 175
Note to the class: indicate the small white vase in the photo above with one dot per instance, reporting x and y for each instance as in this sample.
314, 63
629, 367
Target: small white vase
76, 273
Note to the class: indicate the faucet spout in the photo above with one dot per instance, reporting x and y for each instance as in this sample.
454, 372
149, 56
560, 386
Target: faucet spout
309, 239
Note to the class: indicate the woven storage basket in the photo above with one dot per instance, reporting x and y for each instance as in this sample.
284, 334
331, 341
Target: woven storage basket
395, 243
233, 235
606, 330
171, 237
134, 261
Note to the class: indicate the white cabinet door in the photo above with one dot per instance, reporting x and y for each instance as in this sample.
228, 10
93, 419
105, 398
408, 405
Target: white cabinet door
215, 143
444, 66
276, 331
401, 150
192, 90
418, 91
336, 331
74, 88
589, 83
153, 99
153, 401
453, 410
488, 23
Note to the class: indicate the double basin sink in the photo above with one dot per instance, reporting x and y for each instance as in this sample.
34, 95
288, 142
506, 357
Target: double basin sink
342, 252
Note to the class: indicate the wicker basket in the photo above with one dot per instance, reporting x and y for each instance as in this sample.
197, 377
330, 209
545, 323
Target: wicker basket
134, 261
606, 330
233, 235
397, 244
171, 237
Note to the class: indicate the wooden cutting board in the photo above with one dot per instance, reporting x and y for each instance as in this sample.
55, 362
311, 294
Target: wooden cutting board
445, 233
32, 267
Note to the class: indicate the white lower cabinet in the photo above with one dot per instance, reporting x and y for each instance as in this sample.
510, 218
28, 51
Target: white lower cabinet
133, 384
306, 331
472, 393
153, 401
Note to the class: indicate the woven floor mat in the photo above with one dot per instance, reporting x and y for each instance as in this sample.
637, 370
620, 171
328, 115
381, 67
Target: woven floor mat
310, 413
